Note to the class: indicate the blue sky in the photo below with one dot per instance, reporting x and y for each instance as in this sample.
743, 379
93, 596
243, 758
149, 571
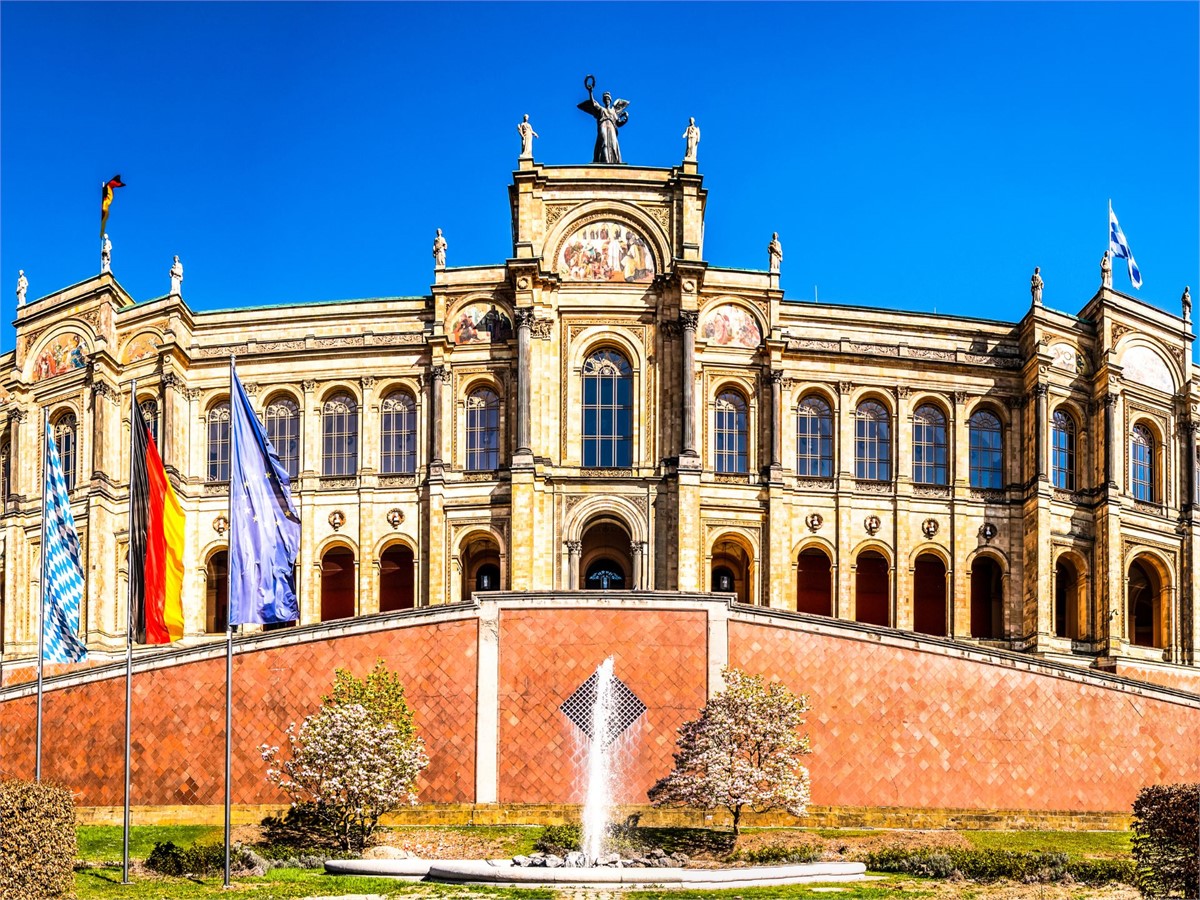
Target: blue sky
918, 156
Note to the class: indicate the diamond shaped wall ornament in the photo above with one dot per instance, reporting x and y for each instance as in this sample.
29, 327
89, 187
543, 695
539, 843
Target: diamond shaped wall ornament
627, 708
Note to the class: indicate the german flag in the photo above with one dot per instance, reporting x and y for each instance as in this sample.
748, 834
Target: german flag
106, 197
155, 544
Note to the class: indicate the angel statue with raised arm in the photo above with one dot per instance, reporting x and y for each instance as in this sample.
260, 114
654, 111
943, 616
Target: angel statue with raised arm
609, 118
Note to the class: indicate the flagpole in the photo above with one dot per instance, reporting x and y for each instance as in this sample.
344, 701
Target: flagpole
229, 655
129, 641
37, 766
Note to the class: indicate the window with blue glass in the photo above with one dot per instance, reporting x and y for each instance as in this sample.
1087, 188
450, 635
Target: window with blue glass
1141, 455
483, 430
872, 442
149, 410
218, 442
987, 451
929, 446
398, 453
607, 410
283, 431
1062, 440
814, 438
339, 432
731, 433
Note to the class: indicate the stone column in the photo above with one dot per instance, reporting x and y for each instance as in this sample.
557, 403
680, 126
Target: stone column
689, 320
524, 374
776, 421
635, 577
437, 374
15, 417
574, 549
1039, 392
1110, 442
1189, 467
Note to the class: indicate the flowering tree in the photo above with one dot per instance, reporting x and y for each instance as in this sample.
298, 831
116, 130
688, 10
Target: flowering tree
742, 753
355, 759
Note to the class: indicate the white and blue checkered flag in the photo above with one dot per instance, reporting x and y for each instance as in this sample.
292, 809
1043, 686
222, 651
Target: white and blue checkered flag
1120, 248
62, 592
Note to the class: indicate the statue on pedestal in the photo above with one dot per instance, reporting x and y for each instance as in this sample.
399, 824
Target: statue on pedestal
691, 134
105, 254
439, 251
527, 135
1035, 285
176, 278
775, 251
1187, 303
1106, 270
22, 287
609, 118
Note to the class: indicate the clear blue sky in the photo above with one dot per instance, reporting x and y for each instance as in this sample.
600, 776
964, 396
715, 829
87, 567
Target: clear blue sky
921, 156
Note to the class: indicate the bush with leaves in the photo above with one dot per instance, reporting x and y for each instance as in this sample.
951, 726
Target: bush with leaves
742, 753
559, 839
37, 841
355, 759
987, 865
1166, 840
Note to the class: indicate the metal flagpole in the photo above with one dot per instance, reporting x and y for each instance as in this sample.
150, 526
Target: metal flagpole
37, 766
229, 654
133, 423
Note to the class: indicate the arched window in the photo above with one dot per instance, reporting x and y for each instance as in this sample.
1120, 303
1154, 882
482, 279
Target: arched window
64, 440
149, 410
283, 431
483, 430
607, 410
339, 432
216, 589
1141, 459
398, 453
731, 433
929, 446
218, 442
872, 442
605, 575
814, 438
1062, 432
987, 451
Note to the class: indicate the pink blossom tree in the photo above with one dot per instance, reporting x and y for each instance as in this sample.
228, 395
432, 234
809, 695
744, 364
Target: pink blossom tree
742, 753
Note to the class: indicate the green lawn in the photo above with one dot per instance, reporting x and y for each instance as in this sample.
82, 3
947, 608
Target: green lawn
102, 843
1075, 843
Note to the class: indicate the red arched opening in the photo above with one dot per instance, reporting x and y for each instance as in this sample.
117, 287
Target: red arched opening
871, 589
337, 584
1067, 588
929, 595
814, 583
216, 593
987, 599
396, 581
1145, 606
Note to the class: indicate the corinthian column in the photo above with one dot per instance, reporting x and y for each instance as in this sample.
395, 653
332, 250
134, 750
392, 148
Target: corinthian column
437, 374
524, 390
776, 420
574, 549
689, 320
1039, 392
1110, 439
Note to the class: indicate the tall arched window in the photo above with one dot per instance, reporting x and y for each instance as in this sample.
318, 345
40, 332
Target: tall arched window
607, 410
1141, 459
814, 438
872, 442
149, 410
283, 431
929, 446
339, 432
398, 450
731, 433
64, 440
1062, 434
483, 430
218, 442
987, 451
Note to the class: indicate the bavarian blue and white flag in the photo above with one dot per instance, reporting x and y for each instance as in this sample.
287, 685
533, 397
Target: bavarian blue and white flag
1120, 248
62, 592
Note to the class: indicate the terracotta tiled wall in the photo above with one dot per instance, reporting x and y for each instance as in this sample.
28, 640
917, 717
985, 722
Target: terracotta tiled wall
1175, 677
893, 726
179, 718
546, 654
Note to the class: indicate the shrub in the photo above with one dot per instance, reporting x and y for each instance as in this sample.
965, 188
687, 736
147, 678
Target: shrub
199, 859
1103, 871
302, 827
1166, 840
37, 841
559, 839
775, 855
992, 865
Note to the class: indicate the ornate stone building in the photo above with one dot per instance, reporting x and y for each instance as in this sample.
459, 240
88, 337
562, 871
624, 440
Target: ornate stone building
607, 410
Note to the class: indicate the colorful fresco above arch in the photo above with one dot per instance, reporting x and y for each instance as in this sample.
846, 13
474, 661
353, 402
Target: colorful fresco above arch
65, 353
606, 251
1144, 366
141, 347
480, 323
727, 325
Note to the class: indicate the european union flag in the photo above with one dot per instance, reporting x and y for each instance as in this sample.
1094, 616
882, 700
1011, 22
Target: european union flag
62, 589
264, 530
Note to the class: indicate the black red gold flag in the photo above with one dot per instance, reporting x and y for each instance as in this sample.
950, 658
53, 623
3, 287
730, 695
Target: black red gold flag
106, 198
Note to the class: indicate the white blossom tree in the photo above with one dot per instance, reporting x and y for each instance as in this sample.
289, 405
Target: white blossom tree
742, 753
355, 759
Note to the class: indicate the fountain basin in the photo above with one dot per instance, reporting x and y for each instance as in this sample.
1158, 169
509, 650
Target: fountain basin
503, 873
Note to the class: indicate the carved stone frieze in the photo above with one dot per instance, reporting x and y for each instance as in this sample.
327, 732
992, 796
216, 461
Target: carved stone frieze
397, 480
661, 215
931, 353
813, 344
391, 339
216, 489
337, 484
555, 211
481, 476
990, 495
874, 487
930, 490
814, 484
308, 386
542, 329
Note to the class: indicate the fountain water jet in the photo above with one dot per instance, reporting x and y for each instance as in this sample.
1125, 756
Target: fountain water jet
598, 800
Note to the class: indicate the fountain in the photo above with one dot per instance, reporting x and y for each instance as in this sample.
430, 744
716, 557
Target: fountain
597, 804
